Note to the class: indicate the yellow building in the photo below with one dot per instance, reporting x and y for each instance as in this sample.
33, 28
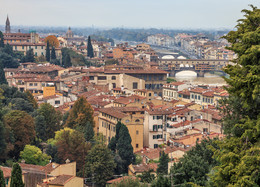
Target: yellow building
62, 180
132, 117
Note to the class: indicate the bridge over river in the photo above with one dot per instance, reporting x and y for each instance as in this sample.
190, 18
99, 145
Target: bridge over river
200, 66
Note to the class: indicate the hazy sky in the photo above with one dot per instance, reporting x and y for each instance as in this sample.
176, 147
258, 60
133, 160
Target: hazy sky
126, 13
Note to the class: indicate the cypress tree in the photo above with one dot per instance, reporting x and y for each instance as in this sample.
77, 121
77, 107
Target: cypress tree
2, 179
2, 139
163, 164
124, 147
1, 40
29, 56
2, 75
67, 61
90, 48
16, 176
53, 53
48, 56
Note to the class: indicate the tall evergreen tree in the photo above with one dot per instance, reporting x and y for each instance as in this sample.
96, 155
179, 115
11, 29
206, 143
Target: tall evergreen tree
2, 75
53, 53
1, 40
47, 54
16, 176
2, 179
2, 139
239, 152
90, 48
163, 164
67, 61
29, 57
124, 147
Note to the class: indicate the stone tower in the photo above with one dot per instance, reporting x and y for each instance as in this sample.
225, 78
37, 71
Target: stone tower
69, 33
7, 26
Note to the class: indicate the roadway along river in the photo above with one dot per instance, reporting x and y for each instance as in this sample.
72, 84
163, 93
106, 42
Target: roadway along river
209, 79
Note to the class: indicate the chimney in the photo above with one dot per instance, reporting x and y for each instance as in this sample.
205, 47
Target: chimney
67, 161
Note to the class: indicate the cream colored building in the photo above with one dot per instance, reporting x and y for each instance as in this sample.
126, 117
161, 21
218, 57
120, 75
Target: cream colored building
170, 91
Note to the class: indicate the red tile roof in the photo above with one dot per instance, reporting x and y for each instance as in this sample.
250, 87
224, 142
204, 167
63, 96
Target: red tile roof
61, 179
121, 179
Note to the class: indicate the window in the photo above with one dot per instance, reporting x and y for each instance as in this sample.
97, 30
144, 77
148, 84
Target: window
102, 78
35, 54
127, 121
135, 85
154, 137
137, 120
195, 96
35, 84
42, 47
205, 129
150, 94
142, 111
155, 146
113, 77
35, 47
136, 145
91, 77
192, 96
198, 97
22, 47
114, 85
137, 132
31, 84
57, 102
155, 128
43, 84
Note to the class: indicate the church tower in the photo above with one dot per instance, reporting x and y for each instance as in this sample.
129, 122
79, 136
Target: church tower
7, 26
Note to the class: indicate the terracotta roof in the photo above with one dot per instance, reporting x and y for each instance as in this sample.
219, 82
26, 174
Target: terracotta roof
155, 153
198, 90
50, 167
208, 94
140, 168
122, 178
61, 179
113, 112
7, 171
177, 83
31, 167
181, 124
184, 92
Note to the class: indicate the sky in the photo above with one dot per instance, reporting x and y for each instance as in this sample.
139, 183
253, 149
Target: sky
171, 14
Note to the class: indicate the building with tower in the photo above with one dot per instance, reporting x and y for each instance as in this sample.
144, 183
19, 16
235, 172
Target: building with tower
69, 33
23, 41
7, 26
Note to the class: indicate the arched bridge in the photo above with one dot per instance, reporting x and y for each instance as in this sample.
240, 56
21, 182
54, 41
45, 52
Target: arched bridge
200, 66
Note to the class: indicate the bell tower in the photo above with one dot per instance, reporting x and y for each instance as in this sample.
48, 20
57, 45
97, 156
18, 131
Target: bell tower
7, 26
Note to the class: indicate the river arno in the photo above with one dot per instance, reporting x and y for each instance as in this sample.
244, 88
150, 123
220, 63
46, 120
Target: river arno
209, 79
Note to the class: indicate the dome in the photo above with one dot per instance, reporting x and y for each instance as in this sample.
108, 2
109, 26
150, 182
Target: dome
181, 57
168, 57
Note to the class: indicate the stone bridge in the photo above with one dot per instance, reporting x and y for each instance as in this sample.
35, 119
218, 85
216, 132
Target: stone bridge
200, 66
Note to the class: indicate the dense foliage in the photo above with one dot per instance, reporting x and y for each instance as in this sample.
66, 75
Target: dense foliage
196, 164
239, 153
16, 176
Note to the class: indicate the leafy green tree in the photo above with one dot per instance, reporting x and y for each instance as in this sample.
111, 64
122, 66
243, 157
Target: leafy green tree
47, 54
52, 150
31, 99
81, 117
163, 164
161, 181
8, 61
67, 61
33, 155
1, 40
2, 179
29, 57
100, 163
129, 182
76, 59
53, 53
90, 48
147, 176
71, 145
124, 147
20, 125
21, 104
16, 176
196, 164
48, 121
239, 152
